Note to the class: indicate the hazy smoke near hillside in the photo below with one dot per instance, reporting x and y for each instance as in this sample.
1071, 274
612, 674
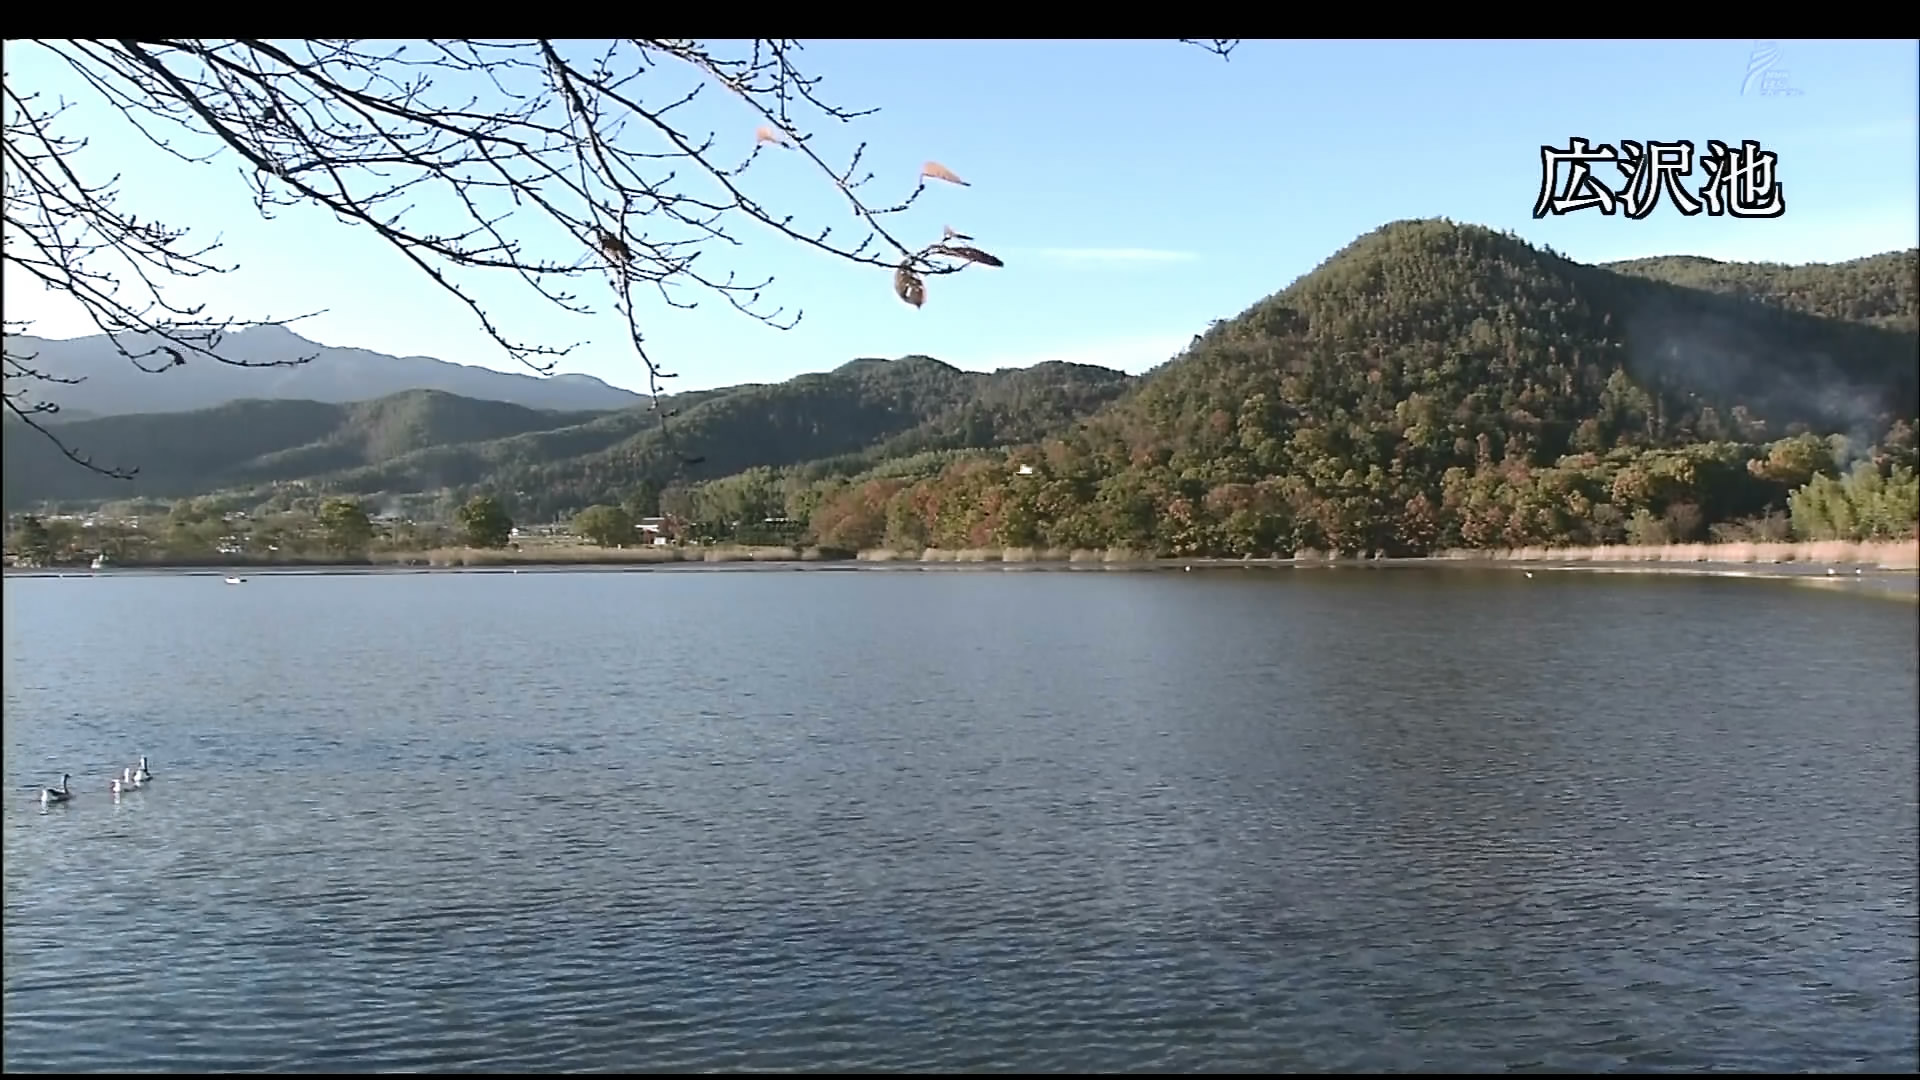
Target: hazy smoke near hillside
1723, 361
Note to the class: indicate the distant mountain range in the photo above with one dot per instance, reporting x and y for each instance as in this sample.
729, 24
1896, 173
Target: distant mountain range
1422, 355
421, 441
113, 386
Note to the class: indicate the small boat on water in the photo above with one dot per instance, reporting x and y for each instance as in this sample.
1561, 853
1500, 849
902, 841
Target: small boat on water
236, 580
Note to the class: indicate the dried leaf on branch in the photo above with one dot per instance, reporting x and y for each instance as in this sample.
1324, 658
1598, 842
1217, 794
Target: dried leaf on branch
937, 171
909, 285
971, 254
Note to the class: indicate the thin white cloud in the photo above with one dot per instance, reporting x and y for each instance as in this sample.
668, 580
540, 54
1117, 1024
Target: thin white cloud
1116, 255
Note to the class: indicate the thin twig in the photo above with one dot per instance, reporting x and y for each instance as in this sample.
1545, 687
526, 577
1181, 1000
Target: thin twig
551, 161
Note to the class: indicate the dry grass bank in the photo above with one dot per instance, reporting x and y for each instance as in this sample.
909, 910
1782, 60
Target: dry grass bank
1885, 554
1004, 555
589, 555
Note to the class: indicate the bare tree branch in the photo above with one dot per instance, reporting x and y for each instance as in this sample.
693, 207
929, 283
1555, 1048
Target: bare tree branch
552, 161
1220, 47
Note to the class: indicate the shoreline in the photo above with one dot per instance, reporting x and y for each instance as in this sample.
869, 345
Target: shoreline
1865, 577
1782, 556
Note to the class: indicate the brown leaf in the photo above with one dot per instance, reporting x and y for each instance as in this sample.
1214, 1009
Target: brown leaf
971, 254
940, 172
909, 286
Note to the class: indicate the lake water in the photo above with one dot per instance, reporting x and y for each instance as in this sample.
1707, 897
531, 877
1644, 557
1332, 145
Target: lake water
1290, 820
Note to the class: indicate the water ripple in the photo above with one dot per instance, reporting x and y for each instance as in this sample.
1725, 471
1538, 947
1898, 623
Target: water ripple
962, 823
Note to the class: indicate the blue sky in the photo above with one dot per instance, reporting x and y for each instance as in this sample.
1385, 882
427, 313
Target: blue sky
1136, 189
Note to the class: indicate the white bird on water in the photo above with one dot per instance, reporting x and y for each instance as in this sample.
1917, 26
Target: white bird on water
124, 783
141, 775
59, 794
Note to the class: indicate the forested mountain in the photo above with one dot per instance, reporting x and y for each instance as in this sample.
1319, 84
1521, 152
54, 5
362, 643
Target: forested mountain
860, 406
1879, 290
1459, 331
1436, 384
